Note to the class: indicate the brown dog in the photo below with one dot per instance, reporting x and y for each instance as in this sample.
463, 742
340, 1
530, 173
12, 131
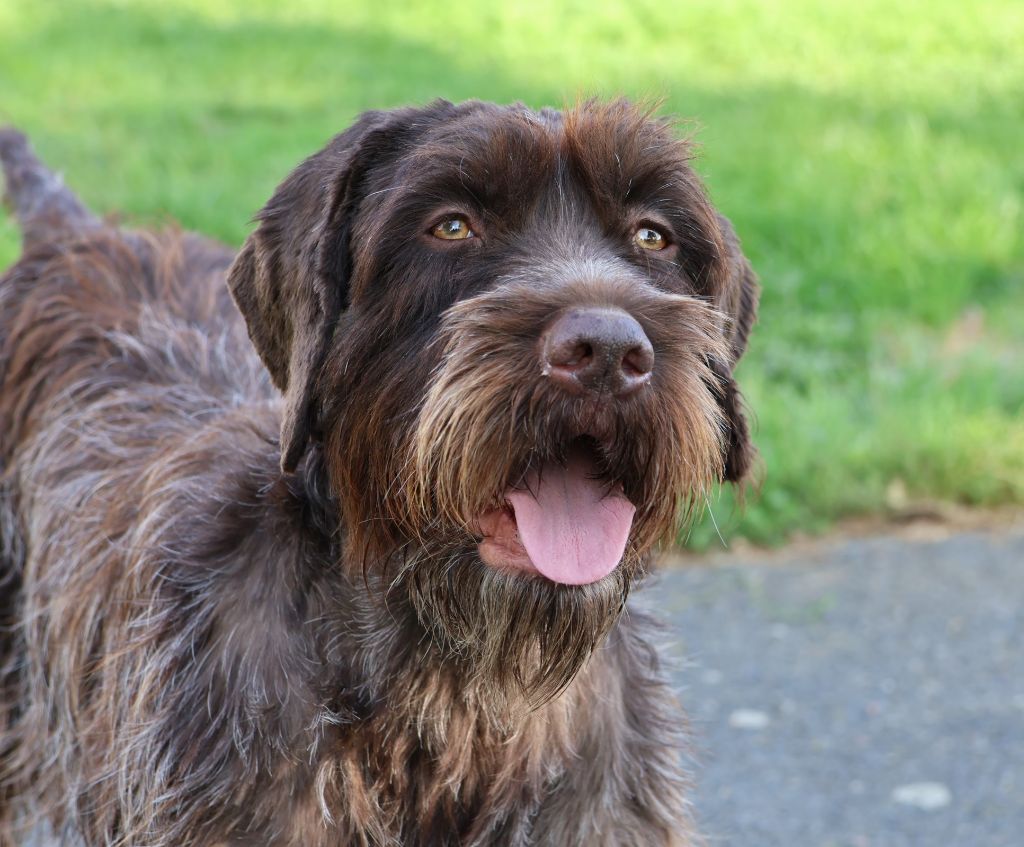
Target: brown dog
370, 591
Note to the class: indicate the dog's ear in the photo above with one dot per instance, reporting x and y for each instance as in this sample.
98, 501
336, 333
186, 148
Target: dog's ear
738, 299
290, 279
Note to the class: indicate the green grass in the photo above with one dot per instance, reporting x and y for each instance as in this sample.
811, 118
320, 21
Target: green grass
870, 155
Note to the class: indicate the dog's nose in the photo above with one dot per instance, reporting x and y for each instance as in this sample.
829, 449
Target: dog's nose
600, 350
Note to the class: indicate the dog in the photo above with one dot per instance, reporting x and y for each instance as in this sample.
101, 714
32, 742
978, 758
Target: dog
339, 552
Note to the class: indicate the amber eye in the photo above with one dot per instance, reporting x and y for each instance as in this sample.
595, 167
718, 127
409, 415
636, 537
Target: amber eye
650, 239
454, 228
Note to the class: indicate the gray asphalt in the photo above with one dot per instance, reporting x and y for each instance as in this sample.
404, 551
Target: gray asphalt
867, 694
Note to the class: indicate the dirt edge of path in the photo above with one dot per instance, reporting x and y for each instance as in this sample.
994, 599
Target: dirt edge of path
922, 523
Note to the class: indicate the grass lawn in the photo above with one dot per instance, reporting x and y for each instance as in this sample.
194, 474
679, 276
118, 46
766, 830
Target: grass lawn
870, 154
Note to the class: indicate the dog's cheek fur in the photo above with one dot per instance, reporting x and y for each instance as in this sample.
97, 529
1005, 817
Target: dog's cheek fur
371, 394
291, 278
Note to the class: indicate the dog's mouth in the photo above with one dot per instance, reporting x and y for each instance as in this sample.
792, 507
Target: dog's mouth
562, 521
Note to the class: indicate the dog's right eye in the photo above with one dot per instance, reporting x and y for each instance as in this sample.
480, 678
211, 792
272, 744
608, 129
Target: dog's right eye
454, 228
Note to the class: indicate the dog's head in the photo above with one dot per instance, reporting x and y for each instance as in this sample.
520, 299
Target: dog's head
512, 334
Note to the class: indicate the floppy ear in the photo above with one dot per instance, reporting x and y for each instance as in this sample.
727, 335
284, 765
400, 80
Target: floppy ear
738, 299
290, 280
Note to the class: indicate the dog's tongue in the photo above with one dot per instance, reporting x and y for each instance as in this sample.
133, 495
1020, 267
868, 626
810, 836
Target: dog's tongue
573, 530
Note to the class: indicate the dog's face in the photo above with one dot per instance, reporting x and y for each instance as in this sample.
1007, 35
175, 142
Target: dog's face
513, 335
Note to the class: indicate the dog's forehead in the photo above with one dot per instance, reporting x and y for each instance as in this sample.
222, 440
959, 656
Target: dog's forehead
618, 151
627, 157
634, 131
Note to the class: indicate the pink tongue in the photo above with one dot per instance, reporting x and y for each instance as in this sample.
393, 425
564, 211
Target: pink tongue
572, 531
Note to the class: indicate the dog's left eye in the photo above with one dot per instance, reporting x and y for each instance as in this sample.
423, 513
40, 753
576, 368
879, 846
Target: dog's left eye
454, 228
650, 239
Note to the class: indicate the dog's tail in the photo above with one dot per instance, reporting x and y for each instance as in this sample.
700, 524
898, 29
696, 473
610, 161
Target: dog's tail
44, 207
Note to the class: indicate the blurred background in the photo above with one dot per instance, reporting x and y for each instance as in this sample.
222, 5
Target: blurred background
859, 693
869, 154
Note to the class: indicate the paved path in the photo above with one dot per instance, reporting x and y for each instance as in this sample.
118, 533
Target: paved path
870, 694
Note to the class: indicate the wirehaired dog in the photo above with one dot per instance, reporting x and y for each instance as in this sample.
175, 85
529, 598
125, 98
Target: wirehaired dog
367, 587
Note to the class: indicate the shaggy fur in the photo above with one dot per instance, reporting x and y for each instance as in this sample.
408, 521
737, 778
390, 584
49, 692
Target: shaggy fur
241, 599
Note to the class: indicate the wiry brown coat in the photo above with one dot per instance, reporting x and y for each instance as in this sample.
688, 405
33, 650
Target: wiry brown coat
201, 649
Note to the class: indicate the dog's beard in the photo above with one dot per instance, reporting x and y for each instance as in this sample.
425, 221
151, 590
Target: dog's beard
488, 417
519, 640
